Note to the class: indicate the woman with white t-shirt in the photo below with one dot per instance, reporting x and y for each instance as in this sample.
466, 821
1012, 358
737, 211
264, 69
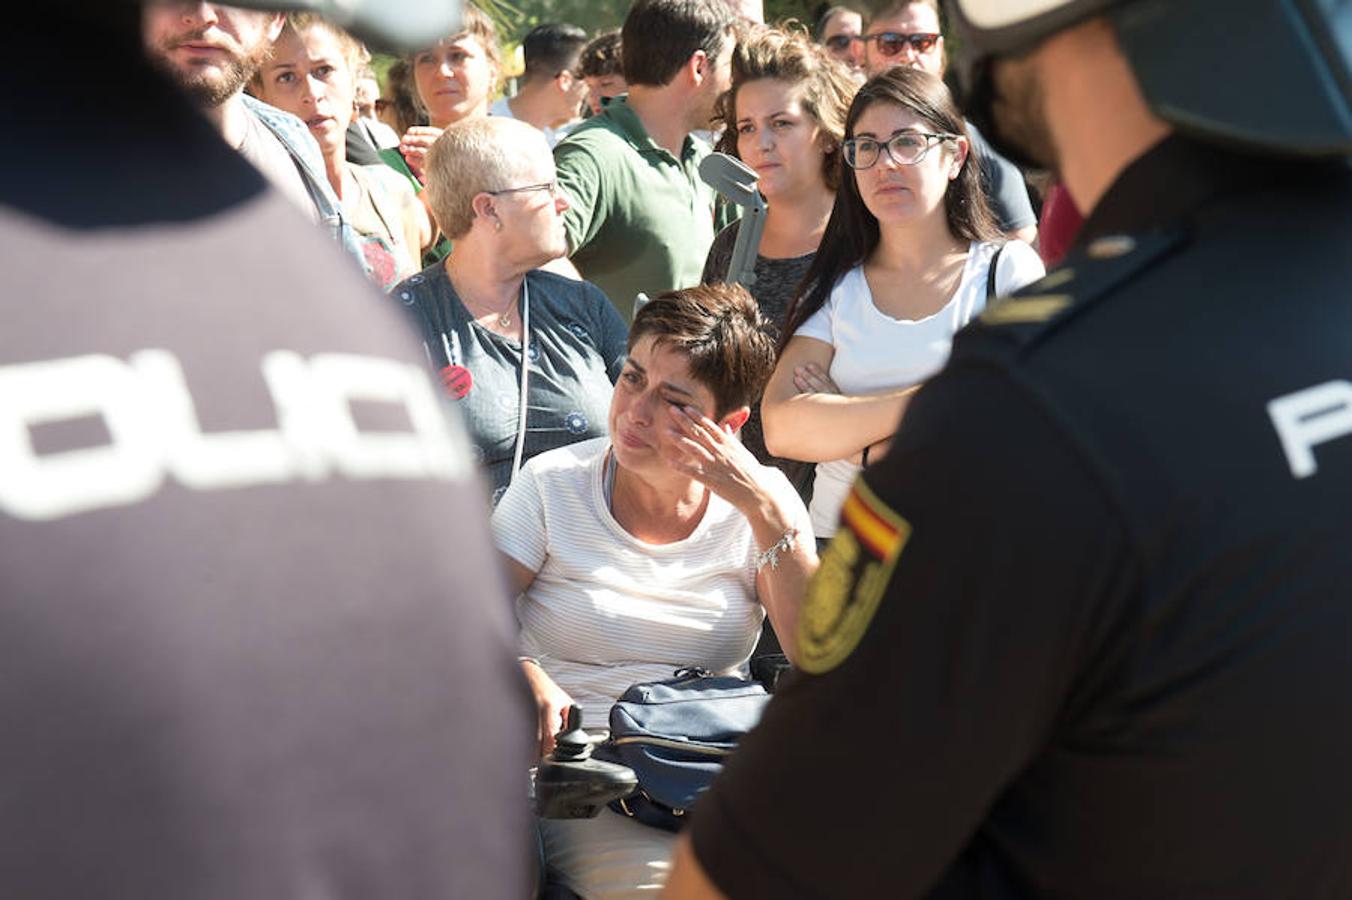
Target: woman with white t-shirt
905, 261
662, 546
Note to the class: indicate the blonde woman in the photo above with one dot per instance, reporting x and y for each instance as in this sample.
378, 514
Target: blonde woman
488, 308
454, 80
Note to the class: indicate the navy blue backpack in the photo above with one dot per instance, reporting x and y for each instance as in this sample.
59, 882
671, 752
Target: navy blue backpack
675, 735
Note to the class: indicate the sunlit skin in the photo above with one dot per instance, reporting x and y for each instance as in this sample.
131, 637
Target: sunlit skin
718, 78
511, 232
778, 139
309, 77
454, 78
655, 381
211, 51
599, 86
532, 221
846, 24
549, 101
903, 194
368, 89
574, 91
205, 42
917, 18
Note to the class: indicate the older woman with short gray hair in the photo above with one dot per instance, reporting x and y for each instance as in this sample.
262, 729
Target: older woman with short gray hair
530, 356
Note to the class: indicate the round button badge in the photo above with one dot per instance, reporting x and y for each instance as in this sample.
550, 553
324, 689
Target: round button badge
457, 381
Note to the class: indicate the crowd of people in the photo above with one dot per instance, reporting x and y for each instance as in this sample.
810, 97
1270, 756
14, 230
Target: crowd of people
679, 456
637, 220
522, 233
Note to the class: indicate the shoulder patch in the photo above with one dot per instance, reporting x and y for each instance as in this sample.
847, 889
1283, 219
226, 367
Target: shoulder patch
855, 570
1093, 271
1023, 310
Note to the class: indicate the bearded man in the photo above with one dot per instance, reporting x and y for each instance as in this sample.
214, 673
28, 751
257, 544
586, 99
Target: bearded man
212, 51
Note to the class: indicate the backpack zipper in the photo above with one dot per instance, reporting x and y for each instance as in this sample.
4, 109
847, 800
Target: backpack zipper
671, 745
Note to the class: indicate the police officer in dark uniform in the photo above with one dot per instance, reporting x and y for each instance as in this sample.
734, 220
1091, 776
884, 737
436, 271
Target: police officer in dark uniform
1087, 630
253, 639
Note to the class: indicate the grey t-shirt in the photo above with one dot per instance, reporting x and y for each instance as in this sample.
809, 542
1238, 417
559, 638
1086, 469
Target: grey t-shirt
776, 282
576, 350
1005, 189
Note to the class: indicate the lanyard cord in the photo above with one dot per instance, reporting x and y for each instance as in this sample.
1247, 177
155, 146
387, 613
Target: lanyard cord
451, 345
525, 368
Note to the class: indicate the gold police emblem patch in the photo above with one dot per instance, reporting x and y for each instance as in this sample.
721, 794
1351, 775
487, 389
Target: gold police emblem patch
855, 569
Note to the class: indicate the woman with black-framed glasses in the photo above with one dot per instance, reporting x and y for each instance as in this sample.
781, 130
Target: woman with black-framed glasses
908, 257
530, 356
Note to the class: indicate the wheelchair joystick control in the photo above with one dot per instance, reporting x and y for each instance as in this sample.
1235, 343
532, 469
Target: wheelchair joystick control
569, 784
572, 743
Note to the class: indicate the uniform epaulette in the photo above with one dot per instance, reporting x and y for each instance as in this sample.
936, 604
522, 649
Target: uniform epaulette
1091, 273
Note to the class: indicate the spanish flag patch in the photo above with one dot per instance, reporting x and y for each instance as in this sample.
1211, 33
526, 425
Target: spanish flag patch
855, 570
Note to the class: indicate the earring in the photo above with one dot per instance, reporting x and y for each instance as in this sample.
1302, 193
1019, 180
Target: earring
497, 224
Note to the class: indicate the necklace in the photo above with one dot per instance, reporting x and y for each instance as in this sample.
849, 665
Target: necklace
504, 317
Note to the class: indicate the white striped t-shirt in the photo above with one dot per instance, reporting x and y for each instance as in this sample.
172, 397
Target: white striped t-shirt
607, 610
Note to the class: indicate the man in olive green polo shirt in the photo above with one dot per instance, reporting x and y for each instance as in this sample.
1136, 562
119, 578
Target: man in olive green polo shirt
640, 218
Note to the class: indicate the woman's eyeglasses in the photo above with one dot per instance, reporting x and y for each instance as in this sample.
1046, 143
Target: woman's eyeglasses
551, 186
905, 148
891, 43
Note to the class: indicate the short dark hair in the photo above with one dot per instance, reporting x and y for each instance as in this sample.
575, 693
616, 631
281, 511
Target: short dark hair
720, 330
819, 30
601, 56
897, 7
551, 48
852, 232
659, 36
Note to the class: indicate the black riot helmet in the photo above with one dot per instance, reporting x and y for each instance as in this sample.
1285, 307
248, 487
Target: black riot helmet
1271, 76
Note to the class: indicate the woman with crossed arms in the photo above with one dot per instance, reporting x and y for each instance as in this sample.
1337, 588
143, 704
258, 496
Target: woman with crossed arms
907, 258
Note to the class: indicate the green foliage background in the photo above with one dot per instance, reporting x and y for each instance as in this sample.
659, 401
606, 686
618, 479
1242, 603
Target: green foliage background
516, 17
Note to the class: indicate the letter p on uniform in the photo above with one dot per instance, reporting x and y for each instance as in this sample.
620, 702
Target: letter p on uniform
1309, 418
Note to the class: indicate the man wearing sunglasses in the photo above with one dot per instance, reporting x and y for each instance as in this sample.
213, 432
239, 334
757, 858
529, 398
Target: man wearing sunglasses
838, 30
1109, 659
908, 34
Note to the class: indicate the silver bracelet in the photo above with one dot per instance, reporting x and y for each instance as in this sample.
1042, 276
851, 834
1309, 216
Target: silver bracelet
770, 555
530, 659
